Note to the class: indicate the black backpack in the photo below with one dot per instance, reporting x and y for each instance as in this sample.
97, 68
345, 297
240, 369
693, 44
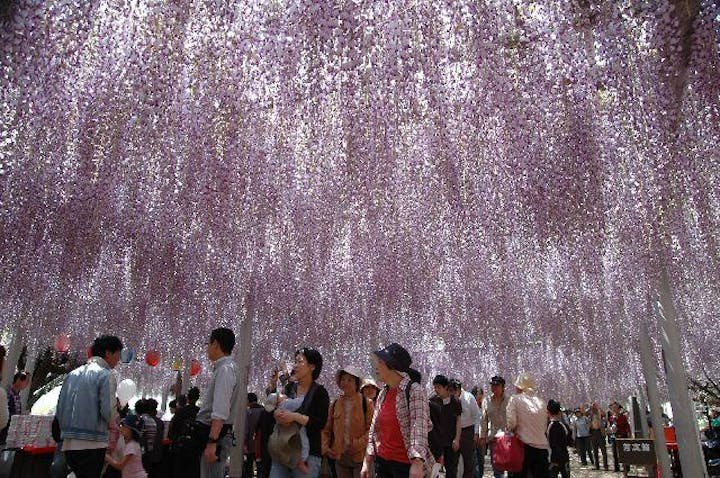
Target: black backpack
415, 377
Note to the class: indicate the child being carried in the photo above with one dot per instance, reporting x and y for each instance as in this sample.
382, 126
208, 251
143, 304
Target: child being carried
283, 402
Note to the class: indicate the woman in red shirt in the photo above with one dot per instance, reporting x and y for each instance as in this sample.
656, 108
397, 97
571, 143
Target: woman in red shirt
398, 437
622, 430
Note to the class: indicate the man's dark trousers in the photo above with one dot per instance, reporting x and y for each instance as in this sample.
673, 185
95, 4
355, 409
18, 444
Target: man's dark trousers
86, 463
467, 450
450, 459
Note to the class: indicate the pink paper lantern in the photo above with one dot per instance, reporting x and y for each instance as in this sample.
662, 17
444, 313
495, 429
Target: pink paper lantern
62, 343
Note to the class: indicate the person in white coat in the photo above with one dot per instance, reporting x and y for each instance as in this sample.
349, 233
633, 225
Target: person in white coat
527, 418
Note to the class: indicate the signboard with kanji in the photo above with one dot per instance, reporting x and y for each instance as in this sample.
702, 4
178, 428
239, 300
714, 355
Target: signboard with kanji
636, 451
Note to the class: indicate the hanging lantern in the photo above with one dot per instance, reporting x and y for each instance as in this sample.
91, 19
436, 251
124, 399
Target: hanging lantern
62, 343
152, 358
127, 355
177, 365
195, 367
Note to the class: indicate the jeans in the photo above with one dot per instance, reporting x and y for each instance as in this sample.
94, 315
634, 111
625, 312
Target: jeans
480, 460
597, 440
391, 469
216, 469
616, 459
280, 471
583, 448
496, 473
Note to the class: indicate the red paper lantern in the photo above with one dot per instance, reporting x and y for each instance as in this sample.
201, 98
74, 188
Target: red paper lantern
194, 367
62, 343
152, 358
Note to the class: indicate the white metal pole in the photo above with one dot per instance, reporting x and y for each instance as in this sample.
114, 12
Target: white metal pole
650, 373
242, 360
688, 435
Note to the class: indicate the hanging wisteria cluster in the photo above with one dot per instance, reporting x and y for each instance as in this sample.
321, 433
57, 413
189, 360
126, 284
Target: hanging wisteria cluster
498, 185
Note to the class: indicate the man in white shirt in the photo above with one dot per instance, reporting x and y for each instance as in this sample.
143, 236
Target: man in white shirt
470, 426
480, 447
527, 418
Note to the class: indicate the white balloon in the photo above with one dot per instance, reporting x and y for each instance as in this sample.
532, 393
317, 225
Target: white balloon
126, 390
47, 404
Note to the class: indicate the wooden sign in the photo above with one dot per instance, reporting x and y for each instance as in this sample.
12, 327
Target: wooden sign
636, 451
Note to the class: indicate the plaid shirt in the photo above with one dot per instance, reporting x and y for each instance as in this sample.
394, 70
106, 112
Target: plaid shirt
414, 422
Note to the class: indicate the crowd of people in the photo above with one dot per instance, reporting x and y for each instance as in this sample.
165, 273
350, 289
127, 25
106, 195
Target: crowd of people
97, 437
386, 427
396, 430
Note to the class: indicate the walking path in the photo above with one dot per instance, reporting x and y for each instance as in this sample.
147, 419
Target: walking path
577, 470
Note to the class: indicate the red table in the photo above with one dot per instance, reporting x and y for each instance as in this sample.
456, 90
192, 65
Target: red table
32, 462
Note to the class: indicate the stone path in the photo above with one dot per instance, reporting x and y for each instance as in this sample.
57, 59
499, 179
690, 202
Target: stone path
579, 471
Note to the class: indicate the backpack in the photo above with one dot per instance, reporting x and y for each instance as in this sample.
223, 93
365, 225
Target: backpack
415, 377
152, 448
364, 408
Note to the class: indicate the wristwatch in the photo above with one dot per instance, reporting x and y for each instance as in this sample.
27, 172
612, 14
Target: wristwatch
212, 440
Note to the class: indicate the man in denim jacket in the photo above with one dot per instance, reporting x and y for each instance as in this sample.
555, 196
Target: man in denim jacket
85, 408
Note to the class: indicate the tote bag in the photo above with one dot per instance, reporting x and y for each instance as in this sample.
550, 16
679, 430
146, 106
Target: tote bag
508, 453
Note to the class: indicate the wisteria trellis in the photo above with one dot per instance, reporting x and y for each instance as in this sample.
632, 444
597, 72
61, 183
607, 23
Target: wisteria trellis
495, 184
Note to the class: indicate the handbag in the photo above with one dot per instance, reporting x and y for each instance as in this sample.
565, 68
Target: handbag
508, 453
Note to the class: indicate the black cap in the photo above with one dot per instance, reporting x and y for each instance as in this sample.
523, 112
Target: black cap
497, 380
395, 357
